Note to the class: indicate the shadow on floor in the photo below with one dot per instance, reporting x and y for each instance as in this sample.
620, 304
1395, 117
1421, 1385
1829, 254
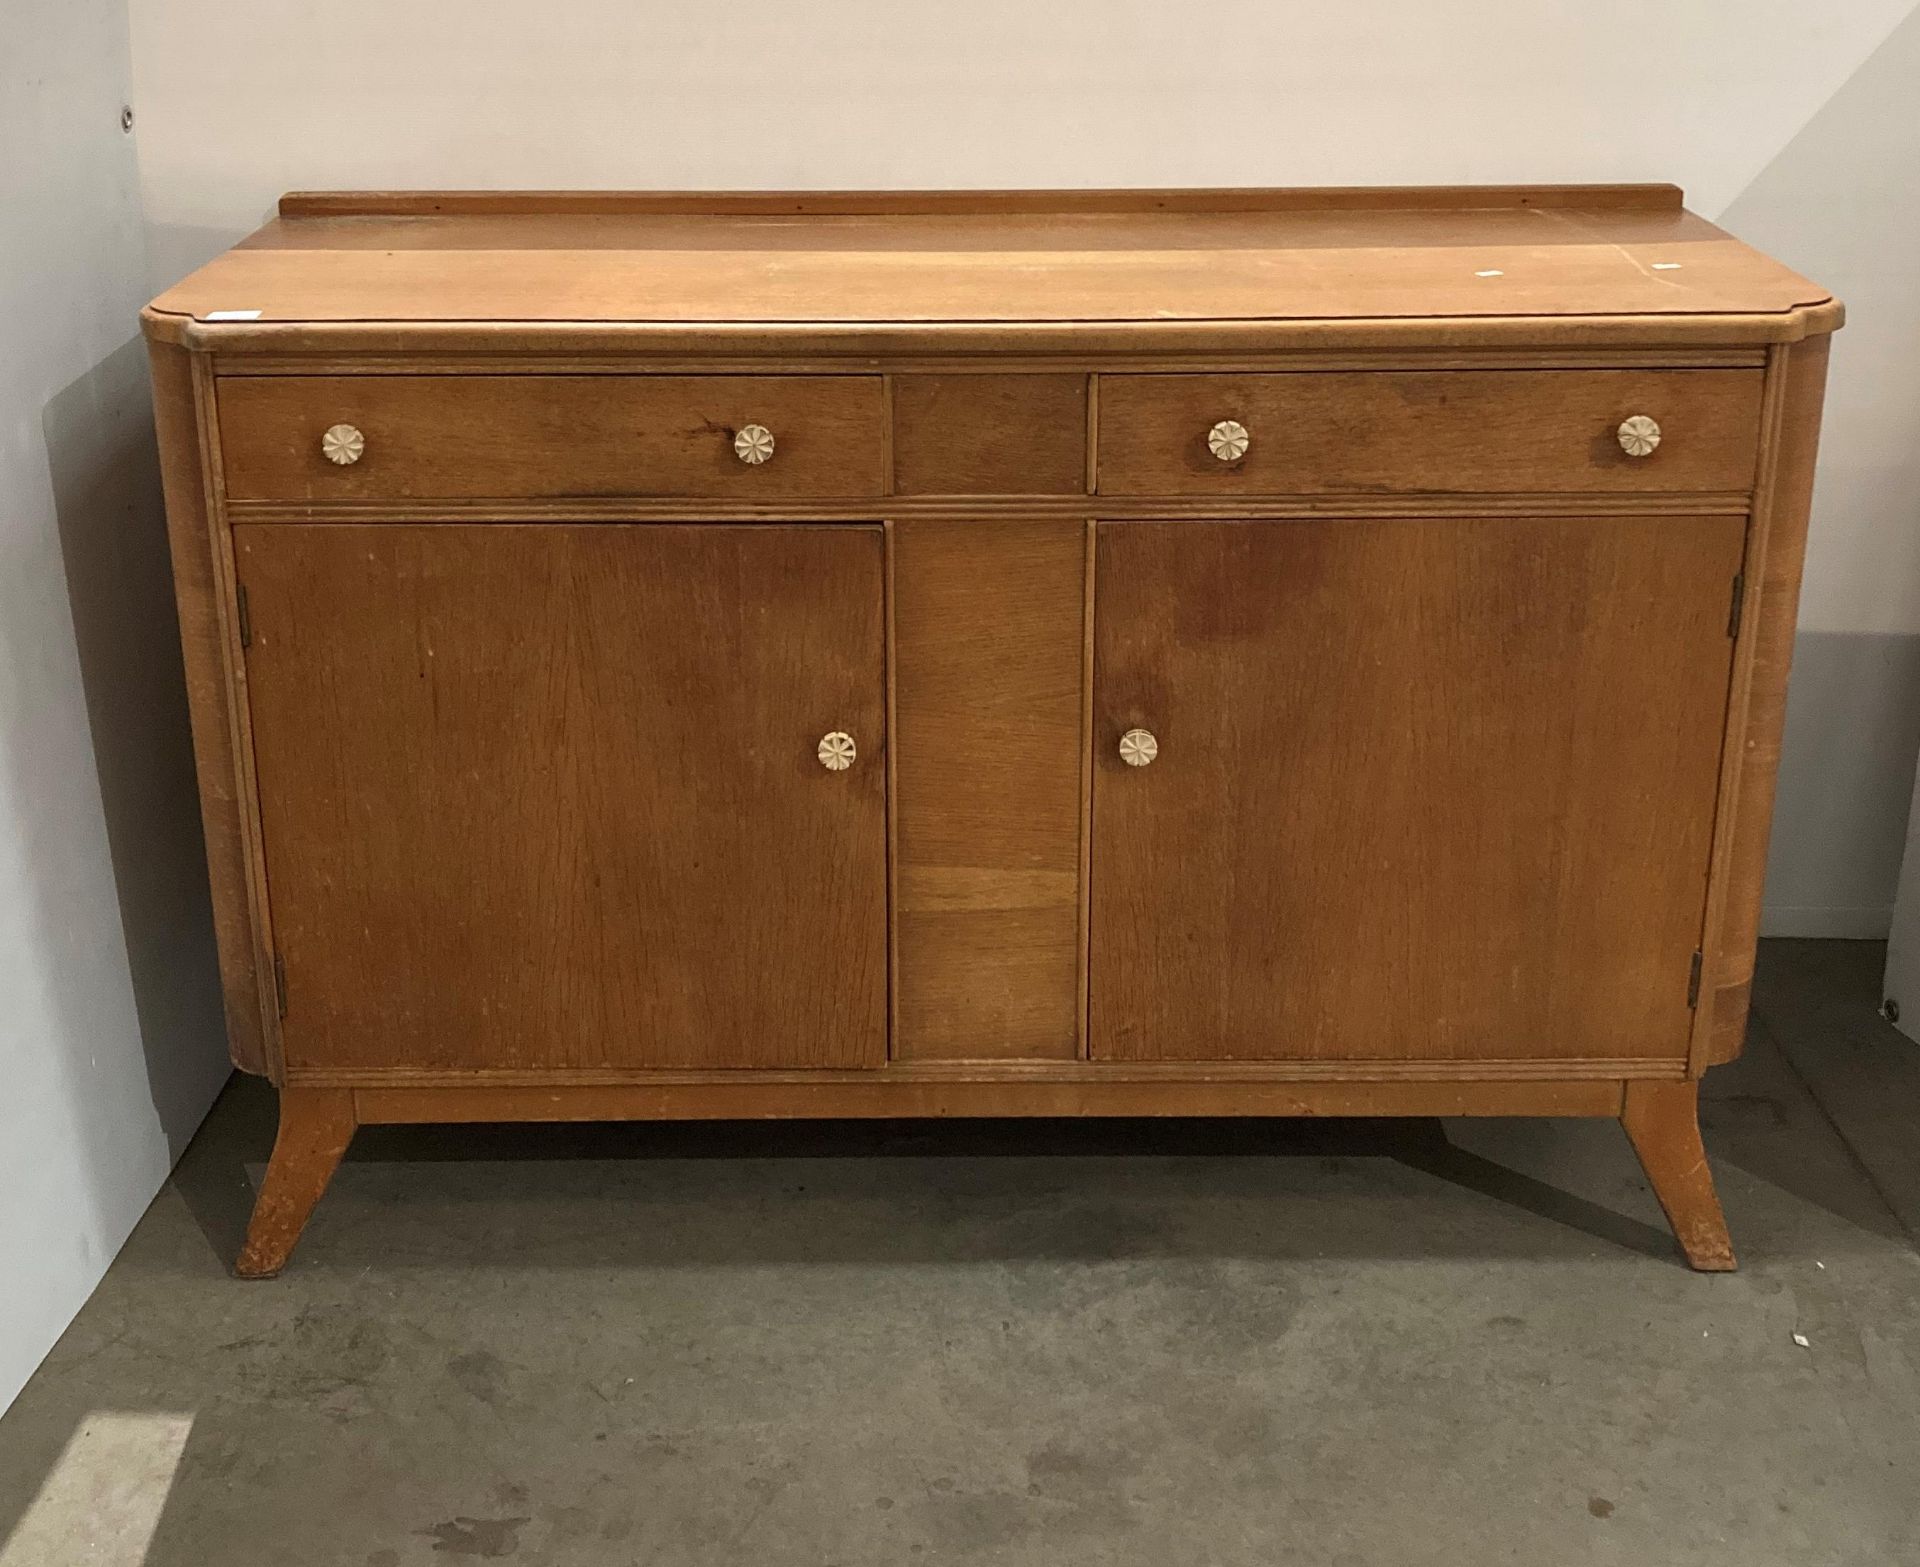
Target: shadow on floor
1820, 1107
1017, 1341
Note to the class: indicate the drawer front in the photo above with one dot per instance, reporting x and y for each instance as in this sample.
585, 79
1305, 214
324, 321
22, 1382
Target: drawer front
1486, 431
485, 437
987, 434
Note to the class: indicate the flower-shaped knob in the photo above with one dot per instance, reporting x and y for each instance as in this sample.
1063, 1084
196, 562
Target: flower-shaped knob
836, 751
1638, 436
343, 444
1228, 440
1138, 747
753, 445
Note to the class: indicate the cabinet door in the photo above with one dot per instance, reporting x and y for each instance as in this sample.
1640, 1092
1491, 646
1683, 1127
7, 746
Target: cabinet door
550, 798
1425, 790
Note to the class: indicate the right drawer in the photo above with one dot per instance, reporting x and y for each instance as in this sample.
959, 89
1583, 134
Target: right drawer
1374, 431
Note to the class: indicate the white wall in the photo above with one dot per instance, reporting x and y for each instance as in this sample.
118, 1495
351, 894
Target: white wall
111, 1043
1780, 116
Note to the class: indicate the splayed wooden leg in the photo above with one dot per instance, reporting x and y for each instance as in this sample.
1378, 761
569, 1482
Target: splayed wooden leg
316, 1124
1663, 1123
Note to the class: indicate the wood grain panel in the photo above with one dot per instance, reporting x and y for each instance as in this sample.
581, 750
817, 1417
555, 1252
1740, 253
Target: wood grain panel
1464, 430
987, 661
1051, 261
1773, 598
548, 797
989, 434
553, 435
1425, 790
191, 543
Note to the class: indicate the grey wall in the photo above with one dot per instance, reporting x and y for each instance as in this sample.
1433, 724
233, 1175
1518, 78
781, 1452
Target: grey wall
1840, 201
111, 1041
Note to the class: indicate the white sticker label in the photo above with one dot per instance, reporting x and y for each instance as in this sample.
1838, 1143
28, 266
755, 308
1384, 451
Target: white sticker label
233, 315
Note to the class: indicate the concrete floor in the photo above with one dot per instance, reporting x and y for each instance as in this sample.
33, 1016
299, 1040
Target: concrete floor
1339, 1344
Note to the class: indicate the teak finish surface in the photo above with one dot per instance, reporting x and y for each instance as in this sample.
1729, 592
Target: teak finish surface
548, 796
195, 545
1065, 262
1758, 709
1467, 720
1427, 790
500, 436
1486, 432
989, 434
988, 655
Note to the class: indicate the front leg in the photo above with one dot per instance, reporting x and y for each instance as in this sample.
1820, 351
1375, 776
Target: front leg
1662, 1120
316, 1124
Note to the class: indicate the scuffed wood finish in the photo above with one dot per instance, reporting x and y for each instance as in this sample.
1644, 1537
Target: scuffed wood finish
988, 670
1426, 790
548, 796
316, 1124
989, 434
1037, 261
192, 542
1773, 597
1663, 1123
1465, 756
501, 436
1480, 431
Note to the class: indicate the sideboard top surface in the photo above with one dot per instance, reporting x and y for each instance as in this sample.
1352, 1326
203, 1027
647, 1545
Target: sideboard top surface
1486, 260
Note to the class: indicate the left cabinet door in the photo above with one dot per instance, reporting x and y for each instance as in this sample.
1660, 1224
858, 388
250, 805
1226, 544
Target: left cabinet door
551, 798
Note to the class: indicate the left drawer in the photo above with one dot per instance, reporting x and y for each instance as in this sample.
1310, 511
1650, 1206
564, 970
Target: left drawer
729, 437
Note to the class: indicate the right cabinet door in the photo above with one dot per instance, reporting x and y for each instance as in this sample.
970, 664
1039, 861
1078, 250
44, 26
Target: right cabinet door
1420, 790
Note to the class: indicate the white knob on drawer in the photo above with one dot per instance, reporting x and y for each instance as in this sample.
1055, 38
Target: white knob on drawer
343, 444
1638, 436
753, 445
1138, 747
1228, 440
836, 751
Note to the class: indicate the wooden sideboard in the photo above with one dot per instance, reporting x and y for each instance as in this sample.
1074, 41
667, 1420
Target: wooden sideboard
1030, 653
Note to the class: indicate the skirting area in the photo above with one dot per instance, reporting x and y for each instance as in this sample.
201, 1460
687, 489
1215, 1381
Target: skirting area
1037, 1342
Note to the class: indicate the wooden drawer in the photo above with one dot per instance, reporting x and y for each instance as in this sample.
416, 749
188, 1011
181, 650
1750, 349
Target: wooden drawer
427, 436
984, 434
1487, 431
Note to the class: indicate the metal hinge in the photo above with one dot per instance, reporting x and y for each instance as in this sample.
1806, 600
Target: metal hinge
1739, 599
1693, 980
246, 619
280, 982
